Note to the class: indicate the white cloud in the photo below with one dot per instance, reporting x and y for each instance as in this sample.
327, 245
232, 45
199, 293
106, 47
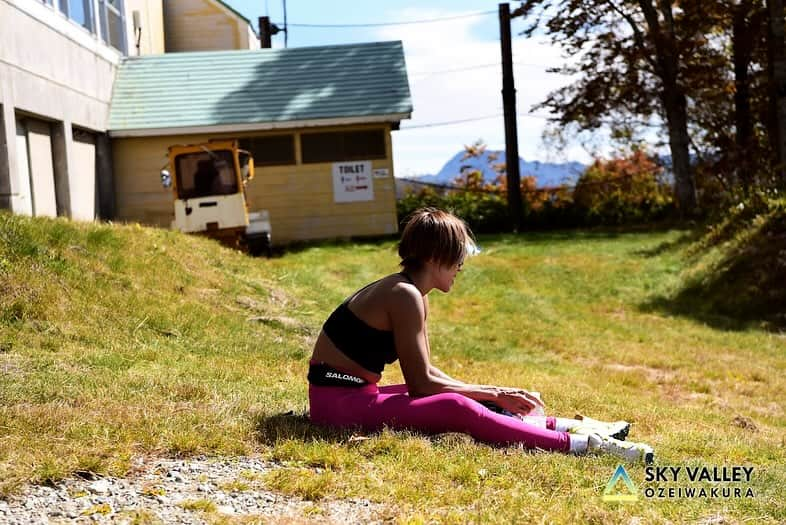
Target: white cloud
439, 97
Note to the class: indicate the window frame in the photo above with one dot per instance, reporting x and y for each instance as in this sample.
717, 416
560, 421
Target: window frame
342, 156
244, 143
88, 8
96, 21
187, 192
104, 8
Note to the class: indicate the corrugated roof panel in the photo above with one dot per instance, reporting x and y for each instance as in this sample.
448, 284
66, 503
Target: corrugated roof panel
260, 86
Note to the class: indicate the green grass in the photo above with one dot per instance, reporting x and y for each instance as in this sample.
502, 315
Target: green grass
737, 270
117, 341
201, 505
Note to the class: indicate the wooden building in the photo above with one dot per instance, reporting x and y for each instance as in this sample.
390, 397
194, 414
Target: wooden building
317, 120
206, 25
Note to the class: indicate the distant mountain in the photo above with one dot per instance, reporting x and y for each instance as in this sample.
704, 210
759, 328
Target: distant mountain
548, 174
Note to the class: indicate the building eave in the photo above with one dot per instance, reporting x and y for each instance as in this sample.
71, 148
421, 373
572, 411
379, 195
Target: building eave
258, 126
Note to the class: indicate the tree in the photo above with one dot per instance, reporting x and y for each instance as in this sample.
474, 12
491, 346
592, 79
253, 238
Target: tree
742, 135
746, 19
630, 58
777, 73
724, 84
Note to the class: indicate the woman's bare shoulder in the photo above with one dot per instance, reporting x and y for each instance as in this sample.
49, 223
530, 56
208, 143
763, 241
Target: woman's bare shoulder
403, 295
388, 291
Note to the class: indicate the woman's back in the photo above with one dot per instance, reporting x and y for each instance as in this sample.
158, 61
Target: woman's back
359, 334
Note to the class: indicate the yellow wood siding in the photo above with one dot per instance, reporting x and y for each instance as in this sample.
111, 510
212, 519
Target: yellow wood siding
139, 196
299, 197
202, 25
151, 14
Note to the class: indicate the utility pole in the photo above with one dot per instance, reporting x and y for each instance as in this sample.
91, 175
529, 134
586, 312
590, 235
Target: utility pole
264, 32
511, 131
267, 30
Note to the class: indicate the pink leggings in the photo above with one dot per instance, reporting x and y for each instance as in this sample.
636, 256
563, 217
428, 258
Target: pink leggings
371, 408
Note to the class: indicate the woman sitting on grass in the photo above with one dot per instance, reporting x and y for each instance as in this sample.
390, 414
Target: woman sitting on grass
386, 320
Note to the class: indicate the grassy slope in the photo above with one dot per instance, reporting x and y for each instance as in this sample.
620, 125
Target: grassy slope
737, 271
117, 341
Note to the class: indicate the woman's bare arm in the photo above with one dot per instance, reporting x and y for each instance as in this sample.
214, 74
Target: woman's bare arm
407, 313
436, 372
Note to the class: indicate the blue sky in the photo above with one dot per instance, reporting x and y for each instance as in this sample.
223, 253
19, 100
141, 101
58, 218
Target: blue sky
434, 51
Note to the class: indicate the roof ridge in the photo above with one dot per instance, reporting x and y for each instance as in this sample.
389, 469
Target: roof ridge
274, 50
248, 87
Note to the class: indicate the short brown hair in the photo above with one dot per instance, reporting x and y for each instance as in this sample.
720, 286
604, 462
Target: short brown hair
434, 235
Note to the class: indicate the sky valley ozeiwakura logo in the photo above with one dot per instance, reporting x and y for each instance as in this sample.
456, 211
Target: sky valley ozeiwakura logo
620, 487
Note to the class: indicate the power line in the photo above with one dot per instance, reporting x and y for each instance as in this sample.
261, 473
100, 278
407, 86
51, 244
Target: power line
478, 66
548, 189
455, 70
451, 122
408, 22
461, 121
453, 187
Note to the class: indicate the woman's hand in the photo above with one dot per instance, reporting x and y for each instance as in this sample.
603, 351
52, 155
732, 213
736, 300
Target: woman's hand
517, 400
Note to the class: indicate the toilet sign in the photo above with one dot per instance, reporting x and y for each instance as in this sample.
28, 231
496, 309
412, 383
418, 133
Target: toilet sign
352, 181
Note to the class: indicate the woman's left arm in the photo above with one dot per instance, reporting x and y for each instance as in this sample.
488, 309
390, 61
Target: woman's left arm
436, 372
433, 370
439, 373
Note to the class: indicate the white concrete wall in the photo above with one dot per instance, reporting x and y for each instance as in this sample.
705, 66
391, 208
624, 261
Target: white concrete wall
54, 70
83, 180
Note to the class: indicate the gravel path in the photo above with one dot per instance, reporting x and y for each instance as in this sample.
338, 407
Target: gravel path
194, 491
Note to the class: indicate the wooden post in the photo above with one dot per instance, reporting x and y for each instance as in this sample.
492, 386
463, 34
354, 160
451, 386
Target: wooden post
511, 131
264, 32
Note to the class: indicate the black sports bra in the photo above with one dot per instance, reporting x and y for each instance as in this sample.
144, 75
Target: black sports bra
369, 347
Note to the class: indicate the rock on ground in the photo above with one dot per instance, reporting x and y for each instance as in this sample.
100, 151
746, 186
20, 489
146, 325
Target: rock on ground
188, 491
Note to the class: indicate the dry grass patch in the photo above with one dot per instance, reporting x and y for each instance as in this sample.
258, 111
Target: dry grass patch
155, 355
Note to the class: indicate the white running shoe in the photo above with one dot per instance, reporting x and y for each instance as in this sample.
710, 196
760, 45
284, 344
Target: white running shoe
627, 450
586, 425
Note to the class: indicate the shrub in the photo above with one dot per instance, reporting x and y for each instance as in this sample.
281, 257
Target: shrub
623, 190
485, 211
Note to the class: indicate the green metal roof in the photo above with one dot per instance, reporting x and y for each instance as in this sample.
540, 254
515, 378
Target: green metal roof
267, 86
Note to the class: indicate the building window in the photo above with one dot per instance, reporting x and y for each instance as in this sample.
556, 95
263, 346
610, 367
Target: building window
205, 174
275, 150
81, 12
343, 145
113, 24
111, 15
60, 5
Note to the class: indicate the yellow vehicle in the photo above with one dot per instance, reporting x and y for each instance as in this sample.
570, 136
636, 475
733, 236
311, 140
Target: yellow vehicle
208, 184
